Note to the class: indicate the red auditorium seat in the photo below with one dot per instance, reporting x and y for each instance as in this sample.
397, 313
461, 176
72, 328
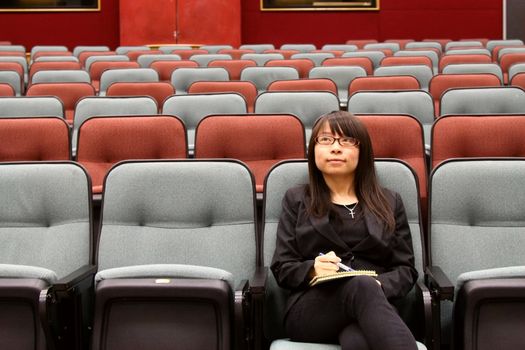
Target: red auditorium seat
51, 53
6, 90
219, 136
442, 82
406, 61
34, 139
104, 141
455, 136
245, 88
83, 56
133, 55
360, 43
318, 84
287, 54
518, 80
397, 82
39, 66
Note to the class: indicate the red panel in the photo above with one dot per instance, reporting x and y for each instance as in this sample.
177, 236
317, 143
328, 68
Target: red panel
62, 28
210, 21
199, 22
141, 23
415, 19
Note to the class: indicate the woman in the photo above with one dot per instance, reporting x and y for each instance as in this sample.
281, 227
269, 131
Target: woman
344, 216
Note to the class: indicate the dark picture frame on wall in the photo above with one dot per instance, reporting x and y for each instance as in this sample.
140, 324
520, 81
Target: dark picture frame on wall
319, 5
49, 5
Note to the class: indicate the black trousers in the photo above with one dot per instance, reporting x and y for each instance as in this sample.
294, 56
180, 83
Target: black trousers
353, 312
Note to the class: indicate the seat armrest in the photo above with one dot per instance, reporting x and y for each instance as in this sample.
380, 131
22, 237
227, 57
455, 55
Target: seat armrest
74, 278
258, 284
241, 310
423, 293
438, 283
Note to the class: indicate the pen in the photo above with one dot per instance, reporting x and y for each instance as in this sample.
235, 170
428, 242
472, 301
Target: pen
340, 265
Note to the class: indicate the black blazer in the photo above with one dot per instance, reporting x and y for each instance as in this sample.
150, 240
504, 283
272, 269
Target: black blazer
301, 237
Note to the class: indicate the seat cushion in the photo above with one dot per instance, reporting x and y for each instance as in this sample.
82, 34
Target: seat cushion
23, 271
166, 271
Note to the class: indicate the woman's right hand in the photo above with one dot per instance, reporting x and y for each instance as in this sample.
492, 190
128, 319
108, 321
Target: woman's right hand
325, 264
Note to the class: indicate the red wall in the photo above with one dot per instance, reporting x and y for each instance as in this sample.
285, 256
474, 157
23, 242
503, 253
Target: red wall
397, 19
416, 19
62, 28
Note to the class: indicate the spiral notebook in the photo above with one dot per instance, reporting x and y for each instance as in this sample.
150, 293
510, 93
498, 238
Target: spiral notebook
335, 276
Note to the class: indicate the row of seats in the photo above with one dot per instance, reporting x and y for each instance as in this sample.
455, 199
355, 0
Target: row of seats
306, 105
419, 62
180, 259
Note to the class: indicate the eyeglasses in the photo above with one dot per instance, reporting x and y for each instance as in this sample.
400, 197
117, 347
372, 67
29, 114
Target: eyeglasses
343, 141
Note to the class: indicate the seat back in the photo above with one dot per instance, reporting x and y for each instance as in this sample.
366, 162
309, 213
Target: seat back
406, 60
220, 136
433, 54
392, 174
103, 56
491, 44
215, 48
146, 60
190, 211
61, 76
245, 88
363, 62
462, 59
307, 106
316, 57
457, 136
442, 82
34, 139
165, 68
422, 73
321, 84
341, 75
374, 56
6, 90
204, 59
89, 107
384, 45
47, 221
182, 78
476, 218
157, 89
40, 66
258, 48
416, 103
262, 58
192, 108
263, 76
134, 75
31, 107
400, 137
469, 68
484, 100
186, 54
13, 79
233, 66
340, 47
104, 141
92, 48
299, 47
124, 49
394, 82
303, 65
68, 93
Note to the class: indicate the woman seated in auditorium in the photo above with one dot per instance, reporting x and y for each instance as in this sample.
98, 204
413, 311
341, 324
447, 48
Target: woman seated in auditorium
344, 217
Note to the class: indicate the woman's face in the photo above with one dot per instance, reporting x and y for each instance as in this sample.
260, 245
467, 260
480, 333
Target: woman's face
335, 160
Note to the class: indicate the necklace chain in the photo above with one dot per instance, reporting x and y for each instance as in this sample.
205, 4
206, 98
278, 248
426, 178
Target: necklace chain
351, 210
